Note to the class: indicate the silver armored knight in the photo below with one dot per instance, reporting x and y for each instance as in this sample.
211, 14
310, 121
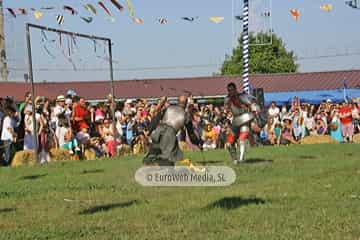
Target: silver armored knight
245, 112
164, 148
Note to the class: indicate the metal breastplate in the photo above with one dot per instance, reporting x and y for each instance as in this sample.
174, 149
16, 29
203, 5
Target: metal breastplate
236, 111
174, 117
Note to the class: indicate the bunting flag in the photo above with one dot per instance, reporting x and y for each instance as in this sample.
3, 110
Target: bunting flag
117, 5
138, 20
105, 8
162, 20
48, 8
353, 4
90, 8
266, 14
130, 7
216, 19
60, 19
189, 19
11, 11
38, 14
22, 11
70, 9
295, 13
87, 19
327, 7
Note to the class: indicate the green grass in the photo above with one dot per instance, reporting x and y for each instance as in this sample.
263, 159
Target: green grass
295, 192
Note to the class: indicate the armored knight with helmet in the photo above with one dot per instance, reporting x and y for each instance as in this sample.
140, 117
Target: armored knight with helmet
164, 148
245, 112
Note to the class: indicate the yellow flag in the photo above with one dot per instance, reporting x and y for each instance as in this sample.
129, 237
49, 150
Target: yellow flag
130, 7
327, 7
216, 19
38, 14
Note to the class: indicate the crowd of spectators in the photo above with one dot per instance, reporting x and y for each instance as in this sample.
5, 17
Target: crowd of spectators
71, 123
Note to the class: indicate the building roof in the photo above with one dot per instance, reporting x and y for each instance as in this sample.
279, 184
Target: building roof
198, 86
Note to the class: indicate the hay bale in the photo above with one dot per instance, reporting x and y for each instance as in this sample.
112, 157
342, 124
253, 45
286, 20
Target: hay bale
59, 154
318, 140
21, 158
124, 150
89, 154
356, 138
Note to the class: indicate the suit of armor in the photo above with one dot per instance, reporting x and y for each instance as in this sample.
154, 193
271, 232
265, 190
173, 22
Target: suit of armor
244, 109
164, 148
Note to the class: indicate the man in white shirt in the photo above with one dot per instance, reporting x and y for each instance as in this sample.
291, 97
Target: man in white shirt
59, 109
274, 111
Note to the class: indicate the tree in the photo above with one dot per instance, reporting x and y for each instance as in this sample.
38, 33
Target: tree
272, 58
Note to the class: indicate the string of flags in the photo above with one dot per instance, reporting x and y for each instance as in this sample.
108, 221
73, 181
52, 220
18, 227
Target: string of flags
93, 10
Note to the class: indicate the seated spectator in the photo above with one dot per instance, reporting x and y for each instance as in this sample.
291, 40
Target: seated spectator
320, 127
70, 142
287, 132
109, 137
269, 131
209, 137
277, 133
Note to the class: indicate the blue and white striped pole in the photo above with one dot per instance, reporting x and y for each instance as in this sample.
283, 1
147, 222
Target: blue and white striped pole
245, 41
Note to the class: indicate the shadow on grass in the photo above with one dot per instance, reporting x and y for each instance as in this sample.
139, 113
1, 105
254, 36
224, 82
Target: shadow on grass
34, 177
93, 171
257, 160
107, 207
6, 210
208, 162
235, 202
307, 157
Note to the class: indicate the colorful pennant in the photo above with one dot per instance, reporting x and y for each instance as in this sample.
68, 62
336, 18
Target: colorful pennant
216, 19
117, 5
327, 7
70, 9
138, 20
105, 8
130, 7
90, 8
87, 19
295, 13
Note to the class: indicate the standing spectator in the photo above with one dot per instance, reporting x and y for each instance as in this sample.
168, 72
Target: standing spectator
8, 135
355, 116
346, 122
29, 143
58, 110
80, 114
335, 126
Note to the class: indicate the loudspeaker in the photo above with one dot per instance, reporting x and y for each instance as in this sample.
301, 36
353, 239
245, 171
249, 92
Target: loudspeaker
259, 94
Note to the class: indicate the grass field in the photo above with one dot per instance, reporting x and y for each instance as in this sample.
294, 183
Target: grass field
296, 192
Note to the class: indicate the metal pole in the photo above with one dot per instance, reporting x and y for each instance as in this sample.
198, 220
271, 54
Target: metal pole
113, 104
4, 70
245, 42
28, 43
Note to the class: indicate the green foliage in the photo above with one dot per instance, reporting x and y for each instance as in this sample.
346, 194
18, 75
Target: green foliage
272, 58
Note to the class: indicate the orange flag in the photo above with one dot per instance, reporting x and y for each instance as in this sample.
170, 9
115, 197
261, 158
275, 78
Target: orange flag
295, 13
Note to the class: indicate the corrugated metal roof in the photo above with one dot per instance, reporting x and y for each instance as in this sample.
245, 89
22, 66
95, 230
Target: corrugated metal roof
199, 86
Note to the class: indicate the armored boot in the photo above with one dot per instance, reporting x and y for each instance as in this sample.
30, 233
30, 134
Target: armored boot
232, 150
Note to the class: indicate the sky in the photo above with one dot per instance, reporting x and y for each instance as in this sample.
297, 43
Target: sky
178, 48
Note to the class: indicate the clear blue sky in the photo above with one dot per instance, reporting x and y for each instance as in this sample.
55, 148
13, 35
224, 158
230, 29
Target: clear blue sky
180, 43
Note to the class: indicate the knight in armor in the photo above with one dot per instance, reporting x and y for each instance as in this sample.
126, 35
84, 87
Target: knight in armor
245, 112
164, 147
